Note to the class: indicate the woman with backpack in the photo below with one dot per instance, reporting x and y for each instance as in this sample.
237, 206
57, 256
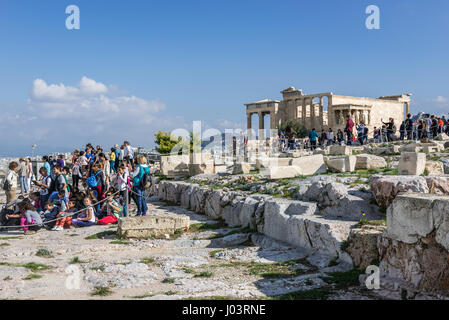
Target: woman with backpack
140, 178
96, 181
10, 185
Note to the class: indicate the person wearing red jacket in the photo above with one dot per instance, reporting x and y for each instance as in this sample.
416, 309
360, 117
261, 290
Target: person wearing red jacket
348, 129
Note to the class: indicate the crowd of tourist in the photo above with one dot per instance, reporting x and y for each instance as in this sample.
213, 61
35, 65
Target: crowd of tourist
91, 188
428, 127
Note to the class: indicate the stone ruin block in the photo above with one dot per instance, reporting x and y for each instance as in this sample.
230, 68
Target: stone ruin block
431, 149
175, 166
340, 150
412, 163
202, 168
412, 216
310, 165
220, 169
241, 168
341, 164
369, 161
274, 173
434, 168
152, 226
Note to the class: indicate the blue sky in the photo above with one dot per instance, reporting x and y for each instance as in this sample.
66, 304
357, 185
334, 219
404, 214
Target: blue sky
178, 61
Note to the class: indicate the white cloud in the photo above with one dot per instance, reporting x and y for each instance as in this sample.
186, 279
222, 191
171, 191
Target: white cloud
441, 99
89, 86
41, 91
90, 102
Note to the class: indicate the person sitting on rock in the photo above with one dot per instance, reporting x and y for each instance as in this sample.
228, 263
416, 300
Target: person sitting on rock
111, 210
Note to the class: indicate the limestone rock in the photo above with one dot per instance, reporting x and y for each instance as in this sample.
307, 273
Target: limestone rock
294, 222
241, 168
369, 161
341, 164
231, 212
434, 168
232, 240
201, 168
335, 200
362, 245
152, 225
414, 216
387, 150
438, 185
220, 169
175, 166
274, 173
431, 147
212, 207
310, 165
412, 163
386, 188
340, 150
445, 165
442, 137
420, 266
264, 163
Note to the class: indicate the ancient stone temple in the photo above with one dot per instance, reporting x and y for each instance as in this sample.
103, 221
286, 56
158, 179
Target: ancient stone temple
327, 110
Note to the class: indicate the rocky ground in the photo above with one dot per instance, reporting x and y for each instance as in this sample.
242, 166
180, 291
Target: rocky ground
215, 261
210, 261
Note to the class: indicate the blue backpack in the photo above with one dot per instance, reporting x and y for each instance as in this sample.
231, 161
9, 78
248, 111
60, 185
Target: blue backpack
92, 180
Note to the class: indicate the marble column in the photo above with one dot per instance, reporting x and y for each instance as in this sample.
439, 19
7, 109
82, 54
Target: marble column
321, 113
303, 103
248, 125
312, 114
261, 127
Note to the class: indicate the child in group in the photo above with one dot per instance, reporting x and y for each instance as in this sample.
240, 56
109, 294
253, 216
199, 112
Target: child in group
65, 174
60, 200
45, 185
110, 209
36, 201
29, 217
100, 178
65, 218
86, 218
78, 199
50, 214
123, 183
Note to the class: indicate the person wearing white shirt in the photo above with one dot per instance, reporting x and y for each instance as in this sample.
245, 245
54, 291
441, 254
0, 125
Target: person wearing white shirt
129, 152
122, 183
11, 182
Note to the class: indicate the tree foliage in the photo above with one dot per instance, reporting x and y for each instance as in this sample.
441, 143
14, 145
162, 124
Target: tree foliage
165, 142
294, 127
